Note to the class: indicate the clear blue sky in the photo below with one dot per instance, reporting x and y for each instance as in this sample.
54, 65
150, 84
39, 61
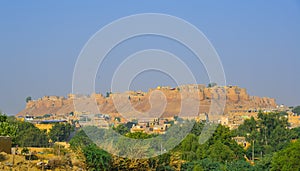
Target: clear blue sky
257, 41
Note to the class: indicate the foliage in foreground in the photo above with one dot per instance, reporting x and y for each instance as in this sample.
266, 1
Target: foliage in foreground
60, 132
270, 133
274, 148
288, 158
25, 134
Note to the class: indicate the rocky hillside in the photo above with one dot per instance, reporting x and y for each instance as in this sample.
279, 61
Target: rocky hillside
236, 99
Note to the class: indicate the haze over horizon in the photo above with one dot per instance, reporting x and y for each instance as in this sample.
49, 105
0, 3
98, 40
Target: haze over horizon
40, 42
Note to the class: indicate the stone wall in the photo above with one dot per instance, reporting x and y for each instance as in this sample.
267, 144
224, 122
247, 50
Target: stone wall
237, 99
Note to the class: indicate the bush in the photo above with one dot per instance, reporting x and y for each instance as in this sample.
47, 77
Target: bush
25, 151
31, 157
2, 157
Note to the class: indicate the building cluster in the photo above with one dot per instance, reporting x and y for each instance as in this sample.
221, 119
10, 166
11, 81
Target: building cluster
155, 126
239, 107
232, 118
47, 121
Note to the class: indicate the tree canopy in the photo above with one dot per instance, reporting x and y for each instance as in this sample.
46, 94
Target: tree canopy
60, 132
275, 145
296, 110
220, 152
288, 158
28, 99
269, 132
96, 158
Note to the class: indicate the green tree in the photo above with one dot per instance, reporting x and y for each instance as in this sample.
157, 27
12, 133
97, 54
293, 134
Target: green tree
296, 110
189, 146
139, 135
80, 141
208, 165
118, 119
197, 128
163, 162
23, 125
60, 132
108, 94
190, 143
269, 132
238, 165
273, 131
220, 152
32, 137
287, 159
97, 159
248, 127
22, 133
264, 163
212, 85
122, 129
224, 135
28, 99
3, 117
296, 132
189, 166
6, 128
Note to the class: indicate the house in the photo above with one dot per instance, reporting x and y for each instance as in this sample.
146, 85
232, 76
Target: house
137, 128
242, 142
158, 129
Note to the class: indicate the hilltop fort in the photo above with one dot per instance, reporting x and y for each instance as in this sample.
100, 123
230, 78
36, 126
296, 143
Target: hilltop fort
239, 104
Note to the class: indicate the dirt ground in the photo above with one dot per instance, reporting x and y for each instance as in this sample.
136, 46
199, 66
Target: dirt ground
43, 160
